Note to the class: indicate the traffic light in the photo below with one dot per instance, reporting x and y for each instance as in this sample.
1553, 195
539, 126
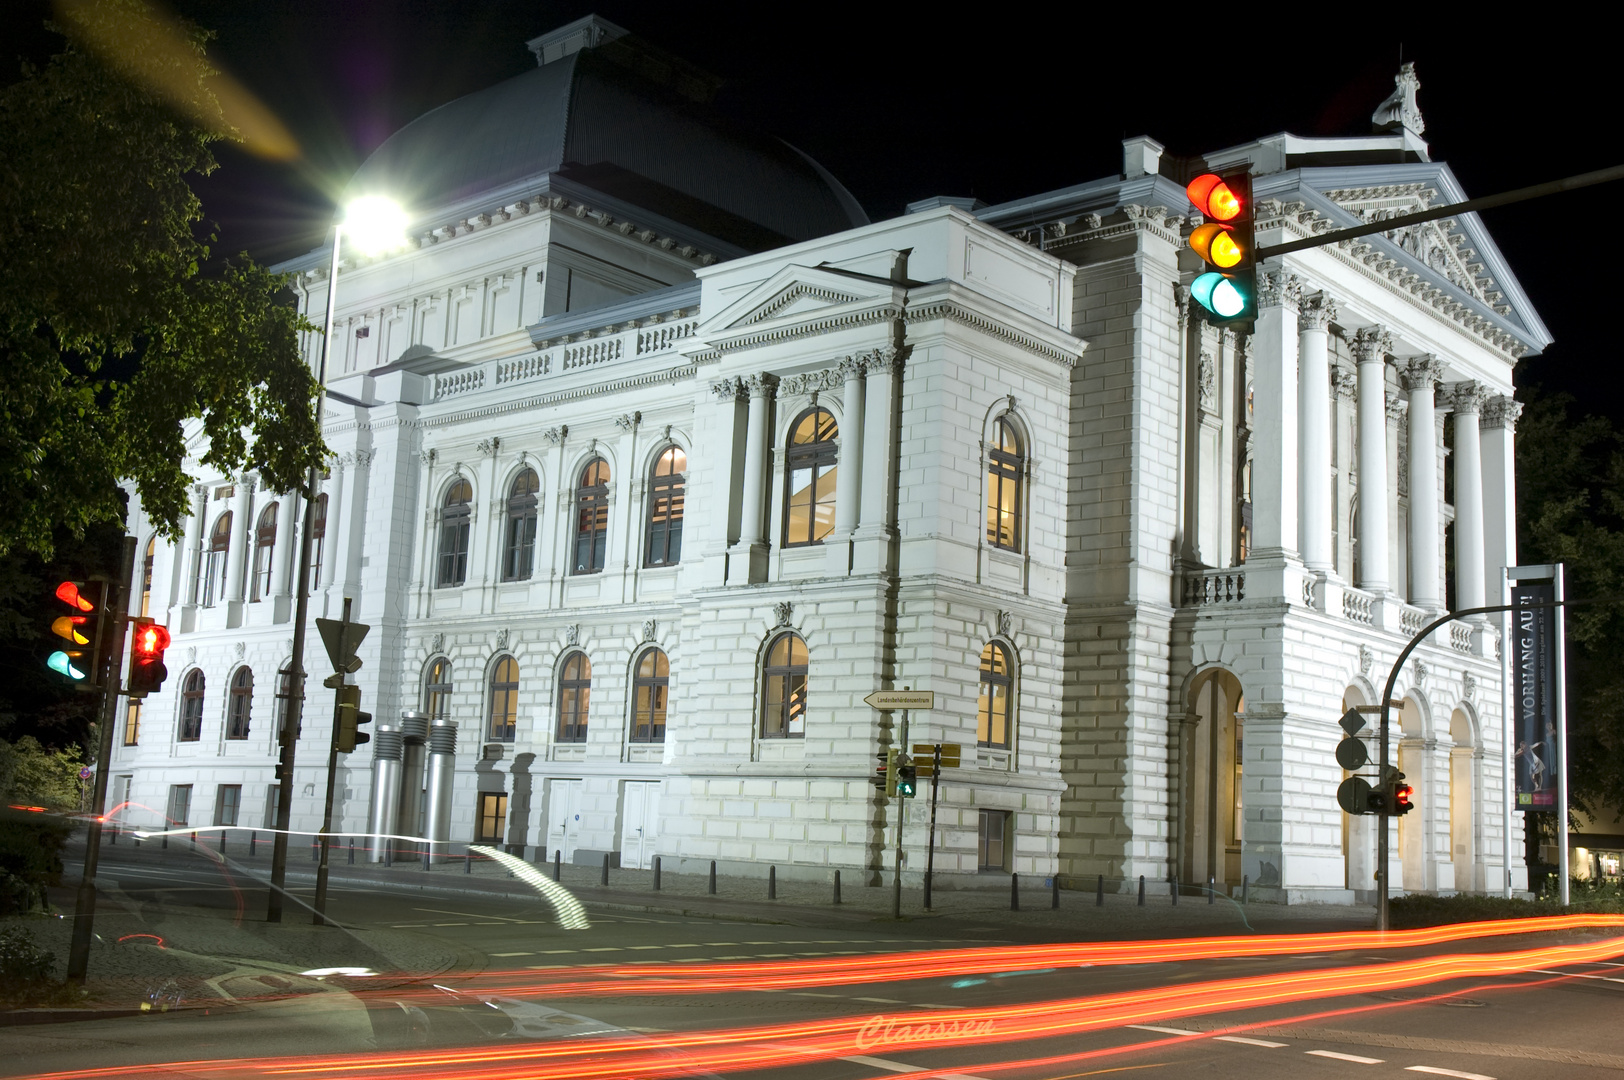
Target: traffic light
76, 660
907, 777
147, 671
886, 773
348, 718
1228, 287
1398, 796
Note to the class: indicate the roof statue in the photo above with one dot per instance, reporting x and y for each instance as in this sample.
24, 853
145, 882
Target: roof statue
1400, 109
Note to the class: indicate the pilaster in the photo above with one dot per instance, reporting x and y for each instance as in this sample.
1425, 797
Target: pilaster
1371, 346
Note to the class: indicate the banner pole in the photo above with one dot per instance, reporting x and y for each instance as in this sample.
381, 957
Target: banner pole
1507, 721
1561, 742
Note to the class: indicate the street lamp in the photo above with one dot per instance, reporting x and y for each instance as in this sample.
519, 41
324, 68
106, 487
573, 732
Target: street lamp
376, 225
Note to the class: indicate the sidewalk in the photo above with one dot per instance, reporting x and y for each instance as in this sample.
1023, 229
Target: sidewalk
804, 903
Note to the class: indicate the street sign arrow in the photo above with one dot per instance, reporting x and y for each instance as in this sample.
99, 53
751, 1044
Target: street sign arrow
885, 700
342, 639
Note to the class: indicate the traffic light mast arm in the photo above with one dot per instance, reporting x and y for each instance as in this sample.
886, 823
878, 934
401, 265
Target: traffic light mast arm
1487, 202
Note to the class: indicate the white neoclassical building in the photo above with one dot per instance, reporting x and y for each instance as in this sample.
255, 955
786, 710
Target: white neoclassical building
652, 457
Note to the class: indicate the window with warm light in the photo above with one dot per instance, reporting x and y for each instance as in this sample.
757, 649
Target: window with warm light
574, 693
665, 504
1006, 473
651, 687
994, 709
504, 701
591, 518
437, 690
810, 476
784, 678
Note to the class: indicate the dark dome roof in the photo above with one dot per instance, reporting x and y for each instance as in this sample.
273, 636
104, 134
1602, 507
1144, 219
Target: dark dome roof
591, 118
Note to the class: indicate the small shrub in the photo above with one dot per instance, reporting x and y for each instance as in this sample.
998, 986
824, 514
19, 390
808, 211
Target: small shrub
1408, 912
25, 968
30, 859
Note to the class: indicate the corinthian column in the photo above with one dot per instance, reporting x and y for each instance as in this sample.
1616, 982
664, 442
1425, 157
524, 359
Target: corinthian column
747, 560
1274, 415
1370, 347
241, 529
849, 480
1469, 572
1498, 425
1314, 318
873, 545
1421, 380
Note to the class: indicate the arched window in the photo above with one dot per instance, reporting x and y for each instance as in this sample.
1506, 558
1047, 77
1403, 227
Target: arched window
455, 517
809, 479
1006, 470
146, 577
504, 700
264, 548
519, 538
318, 539
591, 517
651, 689
995, 709
437, 690
191, 707
241, 701
665, 497
214, 570
284, 695
574, 688
783, 698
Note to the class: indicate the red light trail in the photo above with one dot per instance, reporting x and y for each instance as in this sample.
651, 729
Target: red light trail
764, 1047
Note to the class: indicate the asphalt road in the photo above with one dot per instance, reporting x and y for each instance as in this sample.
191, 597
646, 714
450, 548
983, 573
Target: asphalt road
1554, 1023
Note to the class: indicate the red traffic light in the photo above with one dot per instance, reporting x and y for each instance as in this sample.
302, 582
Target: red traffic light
147, 645
68, 593
149, 638
1401, 799
1215, 197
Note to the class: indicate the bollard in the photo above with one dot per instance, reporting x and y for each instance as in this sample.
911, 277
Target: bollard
1015, 892
222, 841
253, 840
427, 858
1099, 892
837, 886
468, 862
112, 835
1141, 890
1212, 889
713, 878
1173, 887
1243, 888
558, 863
656, 873
772, 883
352, 852
164, 842
1054, 900
389, 853
315, 851
605, 879
194, 839
137, 841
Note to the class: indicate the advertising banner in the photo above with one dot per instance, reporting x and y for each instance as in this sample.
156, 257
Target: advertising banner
1533, 683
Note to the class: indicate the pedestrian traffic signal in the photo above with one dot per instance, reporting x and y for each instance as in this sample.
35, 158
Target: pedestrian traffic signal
886, 773
907, 779
346, 718
147, 671
1398, 796
77, 629
1228, 288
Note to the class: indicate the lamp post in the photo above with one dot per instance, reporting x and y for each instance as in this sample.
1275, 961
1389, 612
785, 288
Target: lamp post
375, 225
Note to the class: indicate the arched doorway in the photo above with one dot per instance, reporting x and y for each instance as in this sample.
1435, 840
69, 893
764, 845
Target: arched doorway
1213, 822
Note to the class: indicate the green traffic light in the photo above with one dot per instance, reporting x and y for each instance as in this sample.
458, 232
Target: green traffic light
1218, 294
61, 663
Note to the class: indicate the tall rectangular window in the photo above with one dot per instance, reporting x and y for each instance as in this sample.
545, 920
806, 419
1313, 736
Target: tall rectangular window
273, 800
492, 816
132, 724
991, 840
180, 805
227, 804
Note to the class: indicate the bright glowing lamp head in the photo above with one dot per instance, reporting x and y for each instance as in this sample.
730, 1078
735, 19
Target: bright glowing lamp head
1216, 245
62, 663
1213, 197
1218, 295
375, 225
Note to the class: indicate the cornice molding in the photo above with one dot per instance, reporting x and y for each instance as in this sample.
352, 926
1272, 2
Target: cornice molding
653, 378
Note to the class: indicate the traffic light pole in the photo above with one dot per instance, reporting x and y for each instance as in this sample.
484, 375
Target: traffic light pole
930, 852
320, 915
112, 620
289, 734
902, 808
1387, 698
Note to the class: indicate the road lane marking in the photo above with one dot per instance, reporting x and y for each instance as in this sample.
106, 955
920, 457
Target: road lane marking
555, 952
464, 914
505, 954
881, 1001
450, 924
1249, 1042
1575, 975
1355, 1058
1435, 1071
645, 946
904, 1067
1165, 1030
604, 948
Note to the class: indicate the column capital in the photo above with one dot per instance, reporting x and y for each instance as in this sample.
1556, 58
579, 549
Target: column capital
1397, 406
886, 358
1279, 288
427, 457
729, 389
1422, 372
1500, 410
1316, 312
760, 385
1467, 397
850, 369
1371, 344
1345, 383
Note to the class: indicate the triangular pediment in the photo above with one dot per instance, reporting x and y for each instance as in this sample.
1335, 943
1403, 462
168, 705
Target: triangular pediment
1443, 249
796, 293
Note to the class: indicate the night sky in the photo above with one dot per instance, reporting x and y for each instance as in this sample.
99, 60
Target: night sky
906, 101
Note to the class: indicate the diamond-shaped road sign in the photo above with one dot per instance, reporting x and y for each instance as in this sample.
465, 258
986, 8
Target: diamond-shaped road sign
342, 639
1352, 722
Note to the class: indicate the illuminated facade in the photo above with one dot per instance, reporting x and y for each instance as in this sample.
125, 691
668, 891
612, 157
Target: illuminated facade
646, 480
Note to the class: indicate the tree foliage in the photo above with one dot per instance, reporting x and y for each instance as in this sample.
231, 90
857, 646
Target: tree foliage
1570, 509
114, 329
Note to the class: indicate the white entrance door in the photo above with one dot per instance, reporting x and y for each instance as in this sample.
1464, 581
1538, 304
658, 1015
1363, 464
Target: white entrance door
563, 817
639, 817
